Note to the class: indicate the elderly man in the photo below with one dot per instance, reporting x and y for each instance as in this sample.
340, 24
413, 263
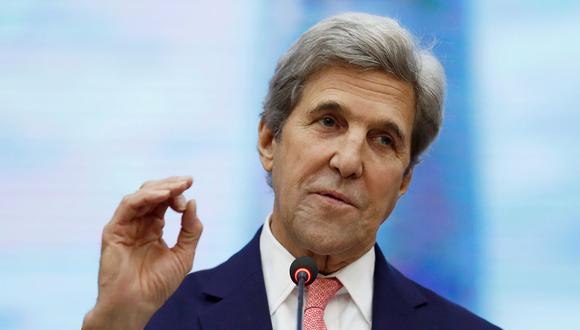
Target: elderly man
350, 108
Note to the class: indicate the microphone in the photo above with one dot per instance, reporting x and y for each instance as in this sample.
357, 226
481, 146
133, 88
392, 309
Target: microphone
303, 272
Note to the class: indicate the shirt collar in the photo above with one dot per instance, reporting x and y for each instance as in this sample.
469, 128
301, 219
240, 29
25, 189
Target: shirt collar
276, 261
357, 277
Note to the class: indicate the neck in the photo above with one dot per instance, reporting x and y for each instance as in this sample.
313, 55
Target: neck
327, 264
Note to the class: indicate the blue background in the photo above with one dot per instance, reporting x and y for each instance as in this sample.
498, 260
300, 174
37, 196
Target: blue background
98, 96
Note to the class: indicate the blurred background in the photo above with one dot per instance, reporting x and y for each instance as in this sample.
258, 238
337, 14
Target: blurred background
98, 96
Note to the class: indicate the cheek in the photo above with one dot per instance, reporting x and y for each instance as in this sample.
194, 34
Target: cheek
288, 174
303, 162
384, 193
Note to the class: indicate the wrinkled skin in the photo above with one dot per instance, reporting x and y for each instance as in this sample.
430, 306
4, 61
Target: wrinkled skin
138, 271
340, 164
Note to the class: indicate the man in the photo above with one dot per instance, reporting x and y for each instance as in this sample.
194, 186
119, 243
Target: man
349, 110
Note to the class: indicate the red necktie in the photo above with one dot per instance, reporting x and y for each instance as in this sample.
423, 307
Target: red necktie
319, 294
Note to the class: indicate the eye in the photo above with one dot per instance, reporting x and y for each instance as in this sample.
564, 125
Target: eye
384, 140
328, 122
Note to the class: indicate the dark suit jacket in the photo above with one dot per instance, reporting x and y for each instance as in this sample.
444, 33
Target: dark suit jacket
233, 296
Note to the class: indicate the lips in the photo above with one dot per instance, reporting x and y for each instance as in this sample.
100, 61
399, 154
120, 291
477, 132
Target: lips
336, 196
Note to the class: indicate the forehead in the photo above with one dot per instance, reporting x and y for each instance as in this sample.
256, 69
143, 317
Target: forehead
372, 94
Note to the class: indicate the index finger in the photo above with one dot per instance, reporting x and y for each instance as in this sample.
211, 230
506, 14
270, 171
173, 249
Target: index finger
149, 197
131, 204
171, 179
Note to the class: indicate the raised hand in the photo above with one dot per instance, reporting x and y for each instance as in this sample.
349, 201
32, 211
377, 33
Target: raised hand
138, 271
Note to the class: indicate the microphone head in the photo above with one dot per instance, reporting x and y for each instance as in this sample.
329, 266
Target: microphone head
304, 264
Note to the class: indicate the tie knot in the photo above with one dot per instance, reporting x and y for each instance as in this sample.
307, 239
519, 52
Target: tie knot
320, 292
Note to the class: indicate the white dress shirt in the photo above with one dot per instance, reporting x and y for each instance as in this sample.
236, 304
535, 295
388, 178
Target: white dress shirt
350, 308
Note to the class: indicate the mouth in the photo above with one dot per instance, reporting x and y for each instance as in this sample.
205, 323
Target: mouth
336, 197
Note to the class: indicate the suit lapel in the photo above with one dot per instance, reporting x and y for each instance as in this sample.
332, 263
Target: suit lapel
394, 297
238, 289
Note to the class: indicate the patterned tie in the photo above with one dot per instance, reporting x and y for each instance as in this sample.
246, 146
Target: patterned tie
319, 294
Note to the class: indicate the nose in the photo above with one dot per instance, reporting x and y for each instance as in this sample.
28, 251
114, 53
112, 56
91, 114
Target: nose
347, 158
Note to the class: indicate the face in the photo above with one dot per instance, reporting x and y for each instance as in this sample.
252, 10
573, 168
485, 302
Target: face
338, 167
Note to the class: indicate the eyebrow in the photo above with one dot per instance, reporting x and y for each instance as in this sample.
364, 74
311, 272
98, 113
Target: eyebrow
332, 106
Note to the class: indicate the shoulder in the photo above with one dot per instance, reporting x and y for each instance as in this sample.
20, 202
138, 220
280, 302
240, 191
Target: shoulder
453, 316
396, 298
202, 290
442, 313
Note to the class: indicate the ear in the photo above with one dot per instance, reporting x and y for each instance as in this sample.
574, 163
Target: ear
406, 182
266, 145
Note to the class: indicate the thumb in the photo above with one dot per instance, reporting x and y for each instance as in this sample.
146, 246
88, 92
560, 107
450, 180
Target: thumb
190, 232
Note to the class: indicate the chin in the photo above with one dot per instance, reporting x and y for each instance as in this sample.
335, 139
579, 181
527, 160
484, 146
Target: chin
323, 241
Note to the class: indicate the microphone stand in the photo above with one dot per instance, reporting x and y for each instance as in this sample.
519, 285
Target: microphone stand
300, 311
303, 271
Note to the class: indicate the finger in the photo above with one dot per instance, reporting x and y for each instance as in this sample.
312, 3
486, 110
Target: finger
175, 188
171, 179
190, 232
178, 203
156, 228
132, 205
159, 210
176, 200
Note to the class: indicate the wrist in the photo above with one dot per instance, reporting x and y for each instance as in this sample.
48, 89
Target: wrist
100, 318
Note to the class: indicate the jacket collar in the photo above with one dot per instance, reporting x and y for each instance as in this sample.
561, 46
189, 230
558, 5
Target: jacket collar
237, 287
395, 297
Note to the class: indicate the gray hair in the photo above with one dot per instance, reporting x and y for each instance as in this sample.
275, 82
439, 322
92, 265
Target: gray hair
367, 42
